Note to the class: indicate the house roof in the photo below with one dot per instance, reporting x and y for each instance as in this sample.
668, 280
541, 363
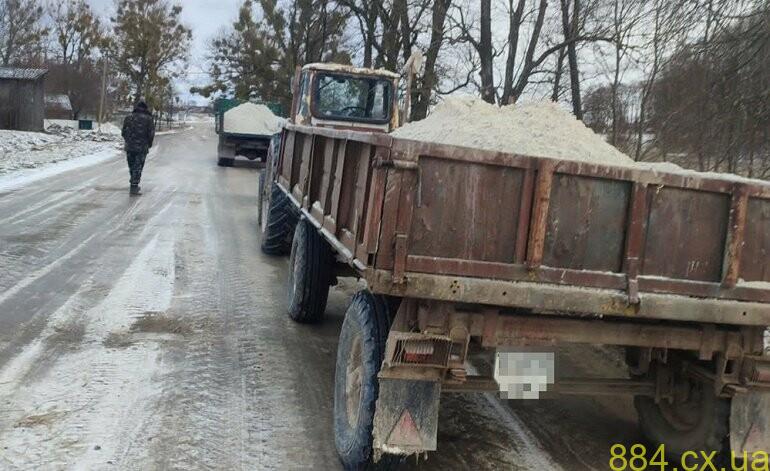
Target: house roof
15, 73
58, 101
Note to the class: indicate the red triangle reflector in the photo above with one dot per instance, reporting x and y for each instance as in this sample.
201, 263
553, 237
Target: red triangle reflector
405, 432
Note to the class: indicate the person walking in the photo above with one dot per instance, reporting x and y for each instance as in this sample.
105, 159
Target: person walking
139, 134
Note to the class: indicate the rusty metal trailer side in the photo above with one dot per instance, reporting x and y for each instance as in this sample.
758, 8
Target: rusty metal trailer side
504, 250
457, 224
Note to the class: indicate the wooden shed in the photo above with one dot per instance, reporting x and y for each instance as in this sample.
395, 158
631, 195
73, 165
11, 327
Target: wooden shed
22, 98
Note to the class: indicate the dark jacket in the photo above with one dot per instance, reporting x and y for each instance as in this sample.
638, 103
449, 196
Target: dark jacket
139, 130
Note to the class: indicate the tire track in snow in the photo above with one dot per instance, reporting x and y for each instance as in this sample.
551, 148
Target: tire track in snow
85, 409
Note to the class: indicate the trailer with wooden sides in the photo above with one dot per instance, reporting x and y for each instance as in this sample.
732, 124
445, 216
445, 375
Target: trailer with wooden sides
465, 249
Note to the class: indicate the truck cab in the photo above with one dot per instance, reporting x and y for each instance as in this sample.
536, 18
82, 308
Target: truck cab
345, 97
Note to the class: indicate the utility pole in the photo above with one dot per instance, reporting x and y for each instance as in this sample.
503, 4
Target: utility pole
104, 91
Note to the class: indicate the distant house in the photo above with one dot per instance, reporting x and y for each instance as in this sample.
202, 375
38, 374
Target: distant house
58, 107
22, 98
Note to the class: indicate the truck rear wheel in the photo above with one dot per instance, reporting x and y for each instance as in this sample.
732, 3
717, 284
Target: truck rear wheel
310, 274
695, 419
277, 219
360, 353
225, 162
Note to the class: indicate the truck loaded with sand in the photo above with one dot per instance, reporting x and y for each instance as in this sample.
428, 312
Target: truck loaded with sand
245, 130
512, 230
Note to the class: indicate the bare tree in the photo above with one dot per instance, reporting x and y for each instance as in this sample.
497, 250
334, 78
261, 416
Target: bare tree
429, 79
670, 22
571, 27
709, 104
514, 24
481, 43
21, 30
75, 29
626, 15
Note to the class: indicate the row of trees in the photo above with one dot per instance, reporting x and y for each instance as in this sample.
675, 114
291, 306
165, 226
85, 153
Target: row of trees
662, 79
137, 52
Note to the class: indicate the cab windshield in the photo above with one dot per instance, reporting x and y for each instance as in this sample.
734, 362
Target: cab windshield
351, 98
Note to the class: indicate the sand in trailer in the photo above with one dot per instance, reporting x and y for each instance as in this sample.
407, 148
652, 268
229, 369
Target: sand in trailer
250, 118
539, 129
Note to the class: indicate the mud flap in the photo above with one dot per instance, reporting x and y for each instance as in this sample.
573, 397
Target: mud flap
406, 417
750, 423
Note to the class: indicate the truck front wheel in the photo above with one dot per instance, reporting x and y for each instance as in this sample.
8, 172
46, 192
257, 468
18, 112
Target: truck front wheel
694, 419
277, 218
360, 353
310, 274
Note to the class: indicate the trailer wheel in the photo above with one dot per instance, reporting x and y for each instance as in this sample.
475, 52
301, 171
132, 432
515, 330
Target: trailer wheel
262, 202
277, 219
360, 353
225, 162
696, 419
310, 274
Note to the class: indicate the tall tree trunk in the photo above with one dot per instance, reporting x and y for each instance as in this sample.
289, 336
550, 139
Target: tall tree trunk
390, 44
485, 53
571, 26
514, 26
406, 29
616, 76
369, 38
529, 59
557, 76
420, 108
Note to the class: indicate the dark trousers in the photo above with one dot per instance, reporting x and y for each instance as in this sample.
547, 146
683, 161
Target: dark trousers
135, 165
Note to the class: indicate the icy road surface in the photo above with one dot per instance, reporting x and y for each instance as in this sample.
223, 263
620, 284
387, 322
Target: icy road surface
150, 334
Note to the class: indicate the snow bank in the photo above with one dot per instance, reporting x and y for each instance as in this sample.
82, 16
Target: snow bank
64, 123
31, 174
537, 129
24, 152
16, 141
250, 118
540, 129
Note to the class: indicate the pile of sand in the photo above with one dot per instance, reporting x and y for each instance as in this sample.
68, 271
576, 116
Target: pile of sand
541, 129
250, 118
536, 129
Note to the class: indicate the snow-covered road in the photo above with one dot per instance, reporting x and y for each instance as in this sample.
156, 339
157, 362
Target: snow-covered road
150, 333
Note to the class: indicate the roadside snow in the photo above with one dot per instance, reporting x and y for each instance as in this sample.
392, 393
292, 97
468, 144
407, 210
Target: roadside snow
30, 150
13, 180
250, 118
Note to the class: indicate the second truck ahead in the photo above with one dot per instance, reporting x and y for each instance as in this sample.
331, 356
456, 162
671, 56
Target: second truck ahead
244, 129
671, 267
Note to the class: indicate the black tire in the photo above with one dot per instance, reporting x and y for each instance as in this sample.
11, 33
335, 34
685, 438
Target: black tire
310, 274
360, 353
701, 423
262, 201
225, 162
278, 222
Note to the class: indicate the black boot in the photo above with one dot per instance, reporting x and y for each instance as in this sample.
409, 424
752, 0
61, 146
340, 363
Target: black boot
135, 190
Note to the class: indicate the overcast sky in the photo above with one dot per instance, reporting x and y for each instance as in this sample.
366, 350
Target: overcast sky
205, 17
